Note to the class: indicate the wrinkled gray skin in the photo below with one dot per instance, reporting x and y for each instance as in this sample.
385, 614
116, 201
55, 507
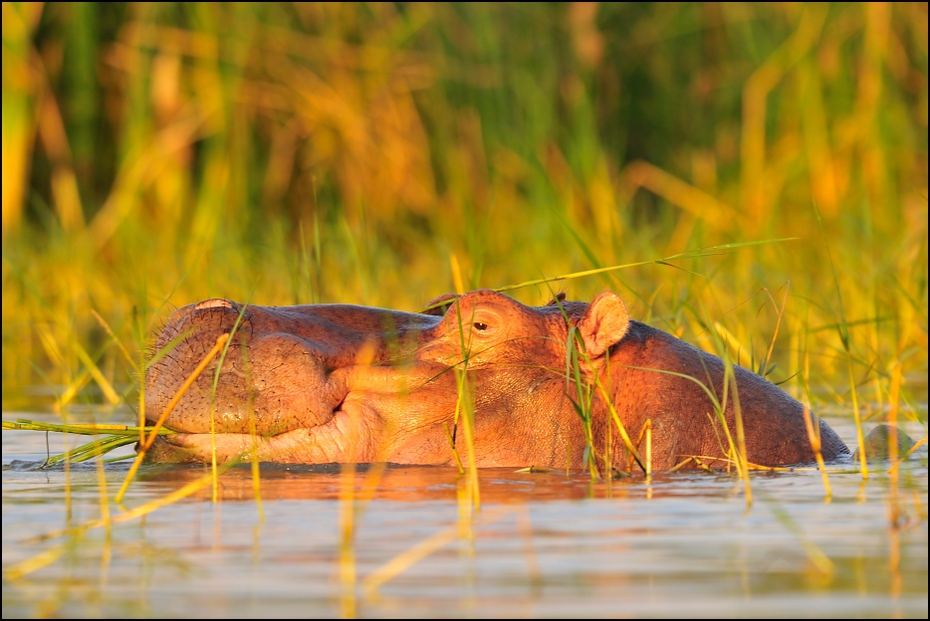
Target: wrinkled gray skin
336, 383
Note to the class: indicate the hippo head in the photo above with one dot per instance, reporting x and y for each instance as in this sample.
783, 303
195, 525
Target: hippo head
487, 329
323, 383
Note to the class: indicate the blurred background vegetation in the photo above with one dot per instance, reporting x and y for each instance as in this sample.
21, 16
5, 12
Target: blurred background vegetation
382, 154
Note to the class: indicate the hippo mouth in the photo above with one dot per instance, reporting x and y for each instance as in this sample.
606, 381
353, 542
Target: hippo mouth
307, 416
344, 437
342, 419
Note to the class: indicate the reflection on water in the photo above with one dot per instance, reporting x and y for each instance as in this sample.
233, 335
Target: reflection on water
544, 544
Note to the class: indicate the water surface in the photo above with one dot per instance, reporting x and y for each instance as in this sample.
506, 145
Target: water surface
544, 544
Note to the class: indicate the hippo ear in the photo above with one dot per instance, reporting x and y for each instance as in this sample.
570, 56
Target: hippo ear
440, 305
558, 299
605, 323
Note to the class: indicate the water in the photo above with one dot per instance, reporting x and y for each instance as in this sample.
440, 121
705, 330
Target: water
543, 544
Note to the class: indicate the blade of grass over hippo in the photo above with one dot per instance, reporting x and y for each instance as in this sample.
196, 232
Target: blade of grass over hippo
575, 354
739, 450
144, 445
583, 407
465, 411
812, 424
687, 254
220, 343
717, 403
223, 350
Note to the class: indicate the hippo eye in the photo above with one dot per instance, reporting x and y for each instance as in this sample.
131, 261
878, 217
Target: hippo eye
480, 327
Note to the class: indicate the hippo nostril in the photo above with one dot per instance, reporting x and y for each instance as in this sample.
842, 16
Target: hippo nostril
214, 303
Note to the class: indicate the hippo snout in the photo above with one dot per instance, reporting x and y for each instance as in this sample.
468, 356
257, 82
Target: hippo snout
265, 383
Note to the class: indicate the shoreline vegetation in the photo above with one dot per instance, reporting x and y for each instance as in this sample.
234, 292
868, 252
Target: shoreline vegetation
384, 155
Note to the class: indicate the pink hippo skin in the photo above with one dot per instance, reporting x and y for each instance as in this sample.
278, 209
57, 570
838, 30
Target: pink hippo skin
338, 383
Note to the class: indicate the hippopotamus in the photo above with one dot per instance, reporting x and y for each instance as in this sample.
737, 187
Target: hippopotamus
556, 386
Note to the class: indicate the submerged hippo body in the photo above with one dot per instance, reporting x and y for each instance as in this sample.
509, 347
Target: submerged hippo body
332, 383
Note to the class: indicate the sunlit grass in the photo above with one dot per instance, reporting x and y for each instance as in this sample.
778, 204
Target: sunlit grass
212, 199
